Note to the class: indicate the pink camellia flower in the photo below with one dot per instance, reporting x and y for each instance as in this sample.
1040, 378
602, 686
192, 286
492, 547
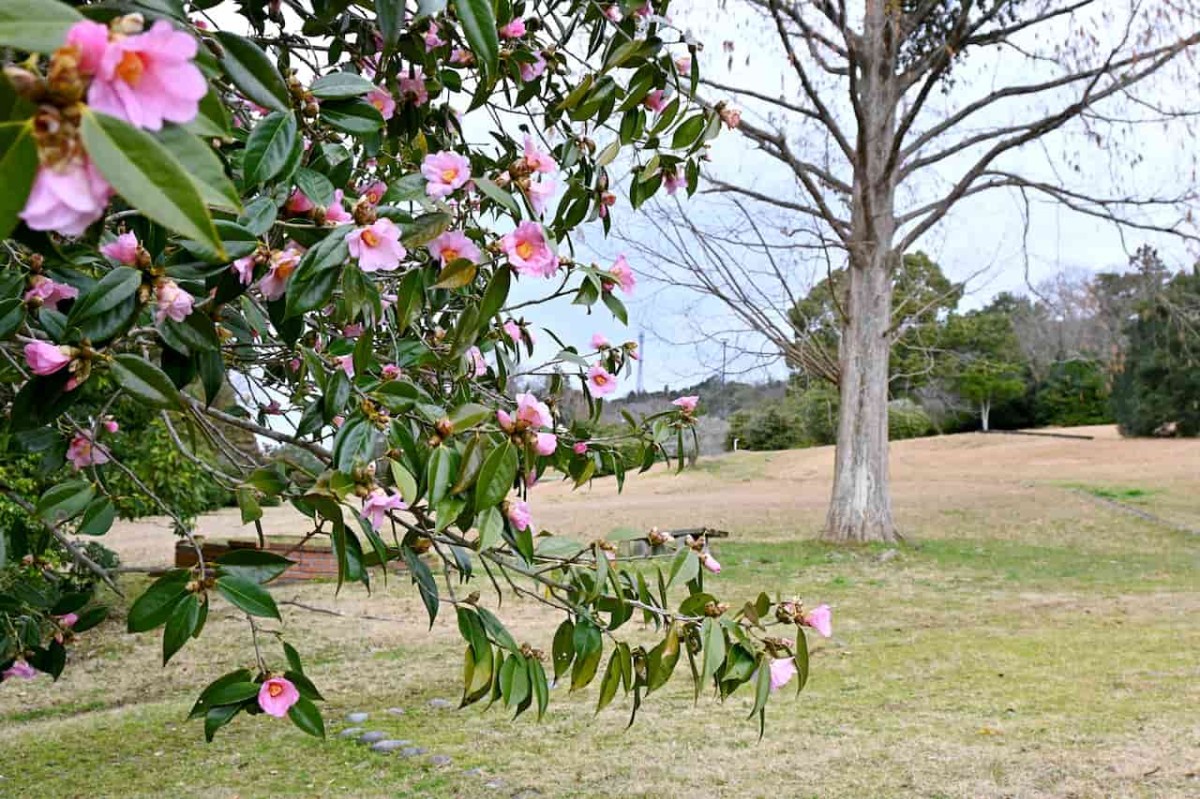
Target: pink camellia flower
412, 87
505, 420
452, 245
462, 57
445, 171
378, 503
820, 619
732, 117
173, 302
512, 330
478, 364
353, 331
66, 197
656, 100
517, 511
623, 274
432, 40
244, 269
46, 359
538, 159
782, 672
546, 443
67, 619
613, 12
346, 362
580, 448
644, 10
540, 193
391, 371
123, 249
382, 99
276, 696
687, 404
528, 252
513, 30
338, 420
530, 71
336, 212
90, 40
49, 292
111, 425
683, 64
710, 563
149, 78
84, 452
599, 342
373, 192
19, 670
298, 203
377, 246
283, 264
533, 412
674, 181
601, 381
607, 200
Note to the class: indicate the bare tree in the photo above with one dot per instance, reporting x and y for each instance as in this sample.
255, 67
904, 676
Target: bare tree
883, 128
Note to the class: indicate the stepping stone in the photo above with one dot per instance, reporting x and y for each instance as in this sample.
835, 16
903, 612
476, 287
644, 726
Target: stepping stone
412, 751
357, 717
496, 783
441, 760
396, 711
474, 772
350, 732
389, 745
440, 704
374, 736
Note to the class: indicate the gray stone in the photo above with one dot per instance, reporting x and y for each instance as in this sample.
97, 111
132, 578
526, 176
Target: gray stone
474, 772
526, 793
389, 745
887, 554
440, 704
373, 736
396, 711
358, 717
350, 732
412, 751
441, 760
496, 783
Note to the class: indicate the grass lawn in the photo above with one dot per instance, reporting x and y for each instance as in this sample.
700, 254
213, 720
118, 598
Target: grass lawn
1025, 642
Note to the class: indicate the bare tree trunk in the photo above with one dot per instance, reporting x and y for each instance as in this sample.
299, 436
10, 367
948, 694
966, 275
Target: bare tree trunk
861, 507
985, 411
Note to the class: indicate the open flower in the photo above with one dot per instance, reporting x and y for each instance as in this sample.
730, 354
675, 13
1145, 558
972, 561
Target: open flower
461, 57
46, 359
377, 246
149, 78
732, 117
528, 251
478, 364
820, 619
537, 159
377, 505
276, 696
452, 245
19, 670
782, 672
599, 342
445, 171
373, 192
546, 443
283, 264
513, 30
601, 381
172, 302
382, 99
123, 249
48, 292
412, 87
84, 452
517, 511
533, 412
390, 371
532, 70
298, 203
346, 363
244, 269
66, 197
623, 274
674, 181
683, 64
336, 212
686, 404
656, 100
539, 194
512, 330
90, 40
432, 40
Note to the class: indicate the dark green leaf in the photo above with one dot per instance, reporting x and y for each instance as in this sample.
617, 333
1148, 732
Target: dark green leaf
496, 476
203, 165
154, 606
146, 382
313, 185
252, 72
249, 596
269, 147
304, 714
355, 117
253, 565
182, 623
340, 85
38, 26
98, 518
64, 501
479, 25
18, 164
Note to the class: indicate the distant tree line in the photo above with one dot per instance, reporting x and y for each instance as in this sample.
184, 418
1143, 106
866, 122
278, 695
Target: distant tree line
1080, 349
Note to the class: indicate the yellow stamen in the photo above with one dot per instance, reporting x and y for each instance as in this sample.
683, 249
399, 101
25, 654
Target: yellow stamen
525, 249
369, 238
130, 68
449, 255
274, 689
448, 175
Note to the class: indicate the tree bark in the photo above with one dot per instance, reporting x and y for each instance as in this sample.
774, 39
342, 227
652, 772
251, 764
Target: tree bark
985, 412
861, 507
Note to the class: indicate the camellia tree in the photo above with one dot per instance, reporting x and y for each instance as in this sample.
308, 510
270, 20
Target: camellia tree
282, 197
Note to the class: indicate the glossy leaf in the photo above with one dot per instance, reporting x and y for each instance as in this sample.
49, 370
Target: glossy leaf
146, 382
253, 72
247, 595
39, 26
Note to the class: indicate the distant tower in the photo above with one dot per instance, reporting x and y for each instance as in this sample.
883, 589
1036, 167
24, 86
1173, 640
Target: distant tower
641, 386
